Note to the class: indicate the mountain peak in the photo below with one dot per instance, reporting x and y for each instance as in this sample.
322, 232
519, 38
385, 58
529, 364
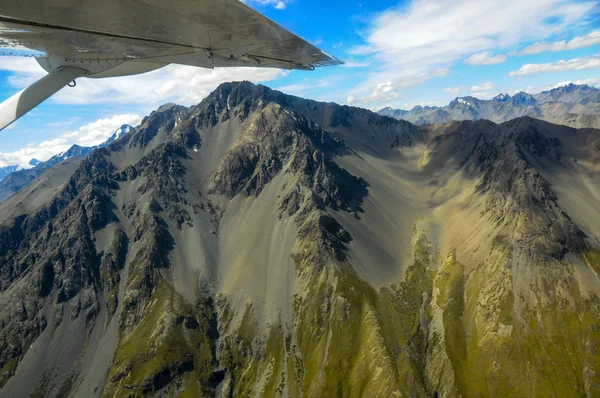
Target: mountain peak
523, 99
220, 250
121, 131
572, 87
463, 101
578, 108
501, 98
571, 93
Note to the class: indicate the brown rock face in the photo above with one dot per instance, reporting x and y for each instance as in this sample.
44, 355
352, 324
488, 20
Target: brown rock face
260, 244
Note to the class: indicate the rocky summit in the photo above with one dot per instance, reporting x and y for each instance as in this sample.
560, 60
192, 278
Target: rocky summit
571, 105
260, 244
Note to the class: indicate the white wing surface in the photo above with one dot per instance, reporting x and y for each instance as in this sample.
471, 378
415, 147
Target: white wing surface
191, 32
105, 38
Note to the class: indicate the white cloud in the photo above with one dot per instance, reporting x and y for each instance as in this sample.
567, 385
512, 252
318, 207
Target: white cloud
588, 40
63, 123
559, 66
356, 64
455, 90
25, 71
484, 95
592, 82
479, 90
425, 35
186, 85
383, 92
391, 90
483, 87
99, 131
485, 58
86, 135
306, 85
350, 100
278, 4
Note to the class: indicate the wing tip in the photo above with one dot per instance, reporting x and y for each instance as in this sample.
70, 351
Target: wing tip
328, 60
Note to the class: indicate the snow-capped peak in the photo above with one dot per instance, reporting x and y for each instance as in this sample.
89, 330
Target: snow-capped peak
124, 129
502, 98
121, 131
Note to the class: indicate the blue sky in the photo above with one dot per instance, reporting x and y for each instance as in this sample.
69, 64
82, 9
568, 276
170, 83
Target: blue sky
397, 53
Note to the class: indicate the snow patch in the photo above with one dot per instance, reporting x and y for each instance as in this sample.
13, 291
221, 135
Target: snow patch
462, 101
123, 130
228, 105
289, 113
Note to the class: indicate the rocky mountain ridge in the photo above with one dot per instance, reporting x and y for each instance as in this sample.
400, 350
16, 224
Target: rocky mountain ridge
17, 178
571, 105
5, 171
264, 244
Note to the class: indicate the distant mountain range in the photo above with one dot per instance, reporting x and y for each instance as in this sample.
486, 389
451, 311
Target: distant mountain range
12, 178
264, 245
5, 171
571, 105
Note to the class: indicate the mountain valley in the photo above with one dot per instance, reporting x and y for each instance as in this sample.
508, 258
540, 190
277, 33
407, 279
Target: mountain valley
260, 244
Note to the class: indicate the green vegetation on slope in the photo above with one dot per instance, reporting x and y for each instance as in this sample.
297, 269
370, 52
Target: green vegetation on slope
355, 341
170, 345
502, 344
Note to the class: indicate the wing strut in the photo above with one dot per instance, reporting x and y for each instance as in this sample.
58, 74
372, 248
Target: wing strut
24, 101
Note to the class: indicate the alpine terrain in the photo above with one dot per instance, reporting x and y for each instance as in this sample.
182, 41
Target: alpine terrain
15, 179
572, 105
264, 245
5, 171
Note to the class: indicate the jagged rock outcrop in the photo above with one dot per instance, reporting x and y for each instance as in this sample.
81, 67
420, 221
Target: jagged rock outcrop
259, 244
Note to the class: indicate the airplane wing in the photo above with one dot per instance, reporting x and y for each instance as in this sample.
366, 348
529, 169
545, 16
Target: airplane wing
106, 38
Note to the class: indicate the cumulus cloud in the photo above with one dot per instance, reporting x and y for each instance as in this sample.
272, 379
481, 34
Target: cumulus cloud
485, 58
425, 35
383, 92
559, 66
89, 134
391, 90
588, 40
185, 85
